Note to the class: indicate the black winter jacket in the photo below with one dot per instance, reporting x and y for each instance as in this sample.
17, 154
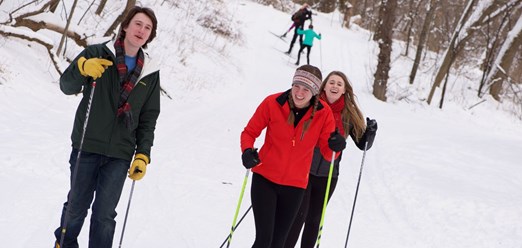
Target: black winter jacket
321, 166
106, 134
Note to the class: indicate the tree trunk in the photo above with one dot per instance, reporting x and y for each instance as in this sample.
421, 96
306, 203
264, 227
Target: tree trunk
363, 11
64, 35
411, 16
386, 24
347, 17
35, 26
456, 43
53, 5
443, 91
492, 41
423, 37
505, 63
119, 19
100, 7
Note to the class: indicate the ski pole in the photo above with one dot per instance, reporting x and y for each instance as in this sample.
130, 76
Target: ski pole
239, 222
321, 54
356, 192
326, 196
127, 212
76, 164
237, 208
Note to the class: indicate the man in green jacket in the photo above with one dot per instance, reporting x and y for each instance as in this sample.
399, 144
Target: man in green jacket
114, 122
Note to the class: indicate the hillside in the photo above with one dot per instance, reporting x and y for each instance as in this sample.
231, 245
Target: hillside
434, 178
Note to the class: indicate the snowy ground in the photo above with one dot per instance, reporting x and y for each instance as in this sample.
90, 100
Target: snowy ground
434, 178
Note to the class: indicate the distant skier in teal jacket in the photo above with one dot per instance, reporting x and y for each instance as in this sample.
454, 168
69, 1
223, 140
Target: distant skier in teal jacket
308, 42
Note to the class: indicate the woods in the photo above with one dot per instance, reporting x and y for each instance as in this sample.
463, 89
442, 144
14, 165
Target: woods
23, 17
447, 36
482, 34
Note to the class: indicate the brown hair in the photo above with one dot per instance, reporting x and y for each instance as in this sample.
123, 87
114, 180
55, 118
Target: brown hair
351, 114
315, 99
132, 12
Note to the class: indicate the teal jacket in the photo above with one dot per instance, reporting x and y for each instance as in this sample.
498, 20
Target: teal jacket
106, 134
309, 36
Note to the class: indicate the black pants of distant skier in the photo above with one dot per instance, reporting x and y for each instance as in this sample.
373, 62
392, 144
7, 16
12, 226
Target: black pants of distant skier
105, 176
275, 207
310, 213
308, 49
294, 38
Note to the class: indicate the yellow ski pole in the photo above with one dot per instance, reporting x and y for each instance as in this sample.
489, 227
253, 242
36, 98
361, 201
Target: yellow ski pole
326, 196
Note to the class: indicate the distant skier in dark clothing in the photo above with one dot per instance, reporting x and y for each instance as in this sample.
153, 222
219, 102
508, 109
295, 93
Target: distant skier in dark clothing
308, 42
299, 19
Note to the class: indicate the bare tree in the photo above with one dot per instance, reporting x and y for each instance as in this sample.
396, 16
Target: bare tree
54, 5
503, 62
411, 16
25, 20
100, 7
432, 5
463, 32
386, 24
346, 8
119, 19
493, 41
64, 35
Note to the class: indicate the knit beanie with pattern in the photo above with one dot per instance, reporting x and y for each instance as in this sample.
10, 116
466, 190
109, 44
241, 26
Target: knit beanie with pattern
307, 79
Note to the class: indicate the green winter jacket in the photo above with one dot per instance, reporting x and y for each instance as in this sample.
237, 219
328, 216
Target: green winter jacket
106, 134
309, 36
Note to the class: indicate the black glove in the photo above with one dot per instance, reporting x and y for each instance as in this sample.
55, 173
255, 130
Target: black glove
336, 142
371, 130
371, 125
250, 158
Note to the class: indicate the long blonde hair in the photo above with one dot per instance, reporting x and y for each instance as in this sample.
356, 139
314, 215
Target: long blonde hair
351, 115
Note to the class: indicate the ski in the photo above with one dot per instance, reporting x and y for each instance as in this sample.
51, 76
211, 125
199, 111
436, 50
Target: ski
278, 36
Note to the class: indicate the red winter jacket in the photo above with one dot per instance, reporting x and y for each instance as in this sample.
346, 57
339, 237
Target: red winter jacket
286, 154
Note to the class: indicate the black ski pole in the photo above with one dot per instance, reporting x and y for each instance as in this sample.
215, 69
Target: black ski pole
356, 192
127, 212
239, 222
77, 163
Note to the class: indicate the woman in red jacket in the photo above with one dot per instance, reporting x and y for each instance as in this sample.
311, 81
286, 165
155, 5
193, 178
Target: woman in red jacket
296, 122
349, 120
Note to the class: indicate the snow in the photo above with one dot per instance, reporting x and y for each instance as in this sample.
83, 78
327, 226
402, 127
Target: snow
433, 178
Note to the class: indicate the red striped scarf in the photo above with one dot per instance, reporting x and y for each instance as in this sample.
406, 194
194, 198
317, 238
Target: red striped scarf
127, 81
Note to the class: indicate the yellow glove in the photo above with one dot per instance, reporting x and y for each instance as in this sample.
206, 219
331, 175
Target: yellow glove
93, 67
138, 167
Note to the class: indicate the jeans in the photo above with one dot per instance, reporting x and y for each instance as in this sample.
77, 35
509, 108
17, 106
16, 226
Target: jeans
100, 175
